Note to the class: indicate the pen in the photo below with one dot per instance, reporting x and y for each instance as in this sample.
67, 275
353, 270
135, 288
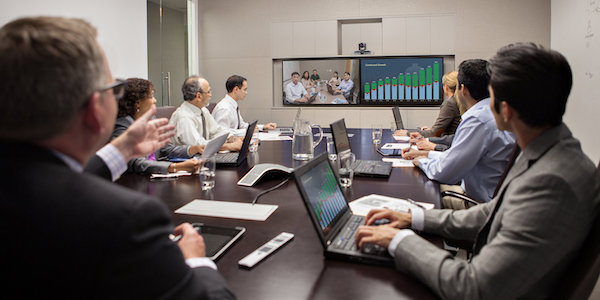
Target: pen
415, 203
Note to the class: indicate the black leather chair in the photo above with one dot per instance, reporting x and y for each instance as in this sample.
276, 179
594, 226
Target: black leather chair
579, 280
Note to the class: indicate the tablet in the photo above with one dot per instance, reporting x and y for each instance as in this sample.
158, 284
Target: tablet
390, 152
218, 239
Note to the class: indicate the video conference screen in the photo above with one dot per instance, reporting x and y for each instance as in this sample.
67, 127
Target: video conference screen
403, 81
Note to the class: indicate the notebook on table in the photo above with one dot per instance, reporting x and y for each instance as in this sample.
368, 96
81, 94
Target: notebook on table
372, 168
234, 159
331, 216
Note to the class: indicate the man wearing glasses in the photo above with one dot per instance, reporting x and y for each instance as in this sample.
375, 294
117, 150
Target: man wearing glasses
194, 125
75, 235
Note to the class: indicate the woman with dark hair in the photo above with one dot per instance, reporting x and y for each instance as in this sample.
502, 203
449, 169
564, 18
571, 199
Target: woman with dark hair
306, 80
138, 98
335, 80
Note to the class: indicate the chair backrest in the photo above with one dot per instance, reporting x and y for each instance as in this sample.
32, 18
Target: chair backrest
581, 276
165, 111
211, 106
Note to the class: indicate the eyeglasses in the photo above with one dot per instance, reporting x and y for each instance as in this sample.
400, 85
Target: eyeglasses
118, 88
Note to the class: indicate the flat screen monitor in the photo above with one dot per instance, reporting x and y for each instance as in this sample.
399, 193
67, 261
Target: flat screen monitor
323, 91
402, 81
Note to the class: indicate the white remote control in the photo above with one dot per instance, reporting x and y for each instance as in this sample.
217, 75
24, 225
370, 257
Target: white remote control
263, 251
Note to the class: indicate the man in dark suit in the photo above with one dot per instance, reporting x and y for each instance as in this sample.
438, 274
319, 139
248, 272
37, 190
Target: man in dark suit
68, 234
534, 227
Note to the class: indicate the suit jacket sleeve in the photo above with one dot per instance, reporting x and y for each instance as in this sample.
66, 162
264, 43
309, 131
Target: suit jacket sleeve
534, 237
98, 167
141, 255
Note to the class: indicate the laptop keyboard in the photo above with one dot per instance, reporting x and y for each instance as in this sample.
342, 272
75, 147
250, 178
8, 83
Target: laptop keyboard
230, 157
345, 239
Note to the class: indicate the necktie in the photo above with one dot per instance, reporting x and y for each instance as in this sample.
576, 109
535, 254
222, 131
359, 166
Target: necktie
204, 135
238, 116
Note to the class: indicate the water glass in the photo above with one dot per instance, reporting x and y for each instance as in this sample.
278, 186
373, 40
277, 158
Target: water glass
393, 124
376, 129
346, 173
332, 154
207, 173
254, 142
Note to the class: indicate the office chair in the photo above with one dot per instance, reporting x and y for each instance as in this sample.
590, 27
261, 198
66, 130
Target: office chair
581, 276
165, 111
211, 106
350, 95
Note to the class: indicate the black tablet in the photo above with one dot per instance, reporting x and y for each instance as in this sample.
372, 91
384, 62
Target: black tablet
218, 239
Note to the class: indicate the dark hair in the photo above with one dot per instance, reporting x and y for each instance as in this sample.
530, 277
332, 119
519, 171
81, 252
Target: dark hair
137, 89
306, 72
473, 74
295, 73
233, 81
51, 67
335, 72
314, 70
347, 73
191, 86
535, 81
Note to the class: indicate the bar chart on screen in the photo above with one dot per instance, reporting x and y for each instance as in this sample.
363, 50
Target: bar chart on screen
404, 79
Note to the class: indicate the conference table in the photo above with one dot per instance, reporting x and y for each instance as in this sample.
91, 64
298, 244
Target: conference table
297, 270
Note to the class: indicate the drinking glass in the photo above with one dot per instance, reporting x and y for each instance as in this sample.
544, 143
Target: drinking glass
346, 172
207, 173
376, 129
331, 149
254, 142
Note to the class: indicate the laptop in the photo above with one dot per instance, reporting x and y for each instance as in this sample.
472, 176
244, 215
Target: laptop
287, 130
234, 159
331, 216
331, 91
372, 168
397, 118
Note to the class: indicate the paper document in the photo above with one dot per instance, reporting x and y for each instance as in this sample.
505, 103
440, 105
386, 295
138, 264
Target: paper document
363, 205
397, 146
170, 175
399, 162
263, 136
227, 209
328, 134
401, 138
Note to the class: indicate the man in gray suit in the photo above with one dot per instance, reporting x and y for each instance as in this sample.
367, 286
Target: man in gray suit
534, 228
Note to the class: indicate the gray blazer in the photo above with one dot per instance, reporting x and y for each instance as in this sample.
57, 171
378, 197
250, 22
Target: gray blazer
142, 164
524, 238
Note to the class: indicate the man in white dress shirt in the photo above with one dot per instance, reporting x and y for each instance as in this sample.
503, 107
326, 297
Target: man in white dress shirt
194, 125
227, 112
294, 91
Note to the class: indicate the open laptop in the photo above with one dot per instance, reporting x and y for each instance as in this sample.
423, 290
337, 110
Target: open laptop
287, 130
331, 91
372, 168
331, 216
234, 159
397, 118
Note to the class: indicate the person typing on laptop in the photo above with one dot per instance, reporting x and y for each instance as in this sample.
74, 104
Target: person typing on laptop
526, 237
194, 125
227, 112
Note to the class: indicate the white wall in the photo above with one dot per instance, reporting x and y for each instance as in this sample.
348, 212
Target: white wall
576, 34
240, 43
121, 27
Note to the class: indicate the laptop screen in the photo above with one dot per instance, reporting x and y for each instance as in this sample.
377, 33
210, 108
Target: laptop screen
340, 136
323, 192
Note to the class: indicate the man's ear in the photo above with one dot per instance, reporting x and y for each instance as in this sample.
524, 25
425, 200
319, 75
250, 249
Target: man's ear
93, 113
507, 111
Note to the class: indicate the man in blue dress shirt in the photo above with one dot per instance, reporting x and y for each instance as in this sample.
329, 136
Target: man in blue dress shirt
479, 151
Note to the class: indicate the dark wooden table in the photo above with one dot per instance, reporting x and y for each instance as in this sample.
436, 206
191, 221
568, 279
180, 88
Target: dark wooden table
298, 270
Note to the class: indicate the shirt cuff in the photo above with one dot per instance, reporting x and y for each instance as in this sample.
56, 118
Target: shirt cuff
418, 219
434, 154
260, 127
114, 160
397, 239
197, 262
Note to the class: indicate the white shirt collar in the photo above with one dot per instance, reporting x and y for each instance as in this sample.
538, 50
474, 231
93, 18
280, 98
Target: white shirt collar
230, 100
69, 161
